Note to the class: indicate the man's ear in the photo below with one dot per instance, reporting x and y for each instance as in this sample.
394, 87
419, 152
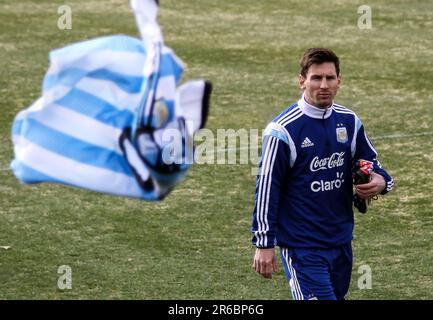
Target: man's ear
301, 81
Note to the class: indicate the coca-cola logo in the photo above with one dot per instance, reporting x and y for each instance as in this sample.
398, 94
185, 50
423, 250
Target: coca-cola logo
334, 161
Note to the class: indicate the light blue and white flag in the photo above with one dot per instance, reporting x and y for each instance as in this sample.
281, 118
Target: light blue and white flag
111, 117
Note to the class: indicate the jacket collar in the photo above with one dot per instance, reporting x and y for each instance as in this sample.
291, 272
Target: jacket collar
313, 111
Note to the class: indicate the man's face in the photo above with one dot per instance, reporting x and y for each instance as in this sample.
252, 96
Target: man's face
321, 84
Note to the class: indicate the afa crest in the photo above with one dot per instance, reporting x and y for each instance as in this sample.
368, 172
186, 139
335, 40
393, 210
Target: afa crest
342, 135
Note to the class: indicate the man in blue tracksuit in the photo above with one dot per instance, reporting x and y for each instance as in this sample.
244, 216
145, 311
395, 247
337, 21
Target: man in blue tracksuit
304, 191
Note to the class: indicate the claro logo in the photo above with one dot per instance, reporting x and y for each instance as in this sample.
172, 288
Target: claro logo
317, 186
334, 161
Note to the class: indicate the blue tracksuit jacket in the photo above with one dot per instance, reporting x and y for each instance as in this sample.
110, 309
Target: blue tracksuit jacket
304, 186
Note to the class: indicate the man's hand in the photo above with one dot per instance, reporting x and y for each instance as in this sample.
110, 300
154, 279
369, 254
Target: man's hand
265, 262
374, 187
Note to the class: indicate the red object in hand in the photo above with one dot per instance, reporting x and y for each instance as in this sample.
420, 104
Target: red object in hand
361, 171
361, 174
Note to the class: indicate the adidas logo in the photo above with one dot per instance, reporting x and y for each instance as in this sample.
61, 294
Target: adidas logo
307, 143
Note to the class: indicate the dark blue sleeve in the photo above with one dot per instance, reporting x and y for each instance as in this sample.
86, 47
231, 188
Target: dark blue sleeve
273, 167
365, 150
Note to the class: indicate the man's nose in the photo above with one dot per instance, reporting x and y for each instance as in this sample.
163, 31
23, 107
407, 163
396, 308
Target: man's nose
324, 84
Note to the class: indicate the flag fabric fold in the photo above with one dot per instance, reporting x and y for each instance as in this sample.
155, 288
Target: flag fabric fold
111, 117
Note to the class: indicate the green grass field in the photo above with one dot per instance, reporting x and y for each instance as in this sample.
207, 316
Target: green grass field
196, 243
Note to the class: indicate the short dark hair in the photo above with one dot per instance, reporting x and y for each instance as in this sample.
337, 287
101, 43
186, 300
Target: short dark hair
318, 56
